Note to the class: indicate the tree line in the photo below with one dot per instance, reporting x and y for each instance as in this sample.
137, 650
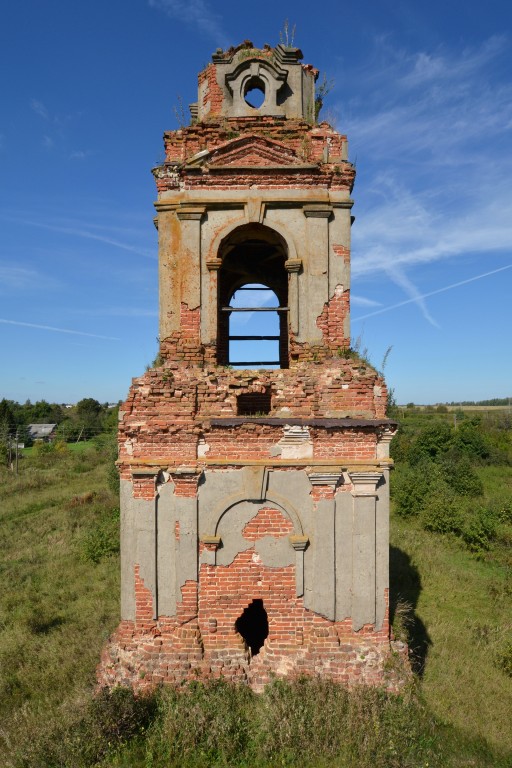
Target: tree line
82, 421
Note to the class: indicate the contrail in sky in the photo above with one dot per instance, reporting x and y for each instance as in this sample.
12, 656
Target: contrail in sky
59, 330
76, 232
432, 293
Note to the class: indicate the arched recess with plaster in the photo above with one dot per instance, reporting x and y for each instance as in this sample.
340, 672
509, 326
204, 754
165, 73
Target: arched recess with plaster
229, 521
273, 499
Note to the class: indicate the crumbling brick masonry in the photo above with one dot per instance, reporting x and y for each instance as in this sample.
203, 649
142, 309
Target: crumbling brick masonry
254, 497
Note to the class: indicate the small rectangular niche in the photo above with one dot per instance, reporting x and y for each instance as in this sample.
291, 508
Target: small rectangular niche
254, 403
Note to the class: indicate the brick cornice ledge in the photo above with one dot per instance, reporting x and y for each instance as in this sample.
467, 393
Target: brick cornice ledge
339, 463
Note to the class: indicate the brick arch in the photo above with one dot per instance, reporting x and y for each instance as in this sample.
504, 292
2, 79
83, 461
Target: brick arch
251, 218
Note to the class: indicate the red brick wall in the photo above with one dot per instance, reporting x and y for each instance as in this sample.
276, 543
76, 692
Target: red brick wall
204, 643
170, 408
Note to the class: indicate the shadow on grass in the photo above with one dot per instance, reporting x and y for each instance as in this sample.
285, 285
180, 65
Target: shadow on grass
405, 586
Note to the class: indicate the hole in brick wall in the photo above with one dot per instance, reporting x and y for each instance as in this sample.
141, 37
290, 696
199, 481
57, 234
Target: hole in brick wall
253, 626
254, 403
254, 92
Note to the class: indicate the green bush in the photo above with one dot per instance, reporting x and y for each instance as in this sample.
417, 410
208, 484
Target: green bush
441, 512
461, 477
469, 440
432, 441
410, 486
103, 540
478, 530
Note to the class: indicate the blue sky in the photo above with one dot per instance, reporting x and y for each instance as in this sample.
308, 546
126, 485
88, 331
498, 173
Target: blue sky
424, 92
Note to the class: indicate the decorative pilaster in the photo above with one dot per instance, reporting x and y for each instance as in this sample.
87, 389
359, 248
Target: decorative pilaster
209, 319
191, 217
323, 598
317, 243
293, 266
363, 547
299, 543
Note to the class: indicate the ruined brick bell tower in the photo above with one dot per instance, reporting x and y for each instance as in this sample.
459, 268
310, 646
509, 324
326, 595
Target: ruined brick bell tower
254, 466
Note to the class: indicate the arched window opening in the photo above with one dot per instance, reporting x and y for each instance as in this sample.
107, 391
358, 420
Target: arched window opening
253, 626
254, 92
253, 297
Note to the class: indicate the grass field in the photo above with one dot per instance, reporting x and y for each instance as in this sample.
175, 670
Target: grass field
59, 602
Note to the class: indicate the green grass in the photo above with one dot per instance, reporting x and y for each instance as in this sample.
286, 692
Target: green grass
461, 620
59, 602
56, 606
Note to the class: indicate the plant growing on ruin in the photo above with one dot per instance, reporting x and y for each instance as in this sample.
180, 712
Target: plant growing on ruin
322, 90
179, 112
287, 35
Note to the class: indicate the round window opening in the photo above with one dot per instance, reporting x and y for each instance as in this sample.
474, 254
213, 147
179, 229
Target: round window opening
254, 92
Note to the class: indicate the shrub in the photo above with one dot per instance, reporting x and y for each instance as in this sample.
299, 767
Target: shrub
461, 477
441, 512
412, 485
432, 441
478, 530
470, 441
103, 540
409, 487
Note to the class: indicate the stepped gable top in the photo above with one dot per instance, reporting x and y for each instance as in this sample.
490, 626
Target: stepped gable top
281, 85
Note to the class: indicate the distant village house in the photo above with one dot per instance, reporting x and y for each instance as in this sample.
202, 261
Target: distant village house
44, 432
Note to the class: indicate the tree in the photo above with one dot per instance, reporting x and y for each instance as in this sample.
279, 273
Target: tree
7, 419
89, 414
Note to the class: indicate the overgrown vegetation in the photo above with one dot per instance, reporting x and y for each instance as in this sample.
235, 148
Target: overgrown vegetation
451, 566
440, 473
450, 600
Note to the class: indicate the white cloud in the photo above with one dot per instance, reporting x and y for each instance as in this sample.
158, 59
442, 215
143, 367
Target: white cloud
120, 312
433, 103
362, 301
79, 154
23, 279
195, 12
40, 109
431, 293
427, 125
